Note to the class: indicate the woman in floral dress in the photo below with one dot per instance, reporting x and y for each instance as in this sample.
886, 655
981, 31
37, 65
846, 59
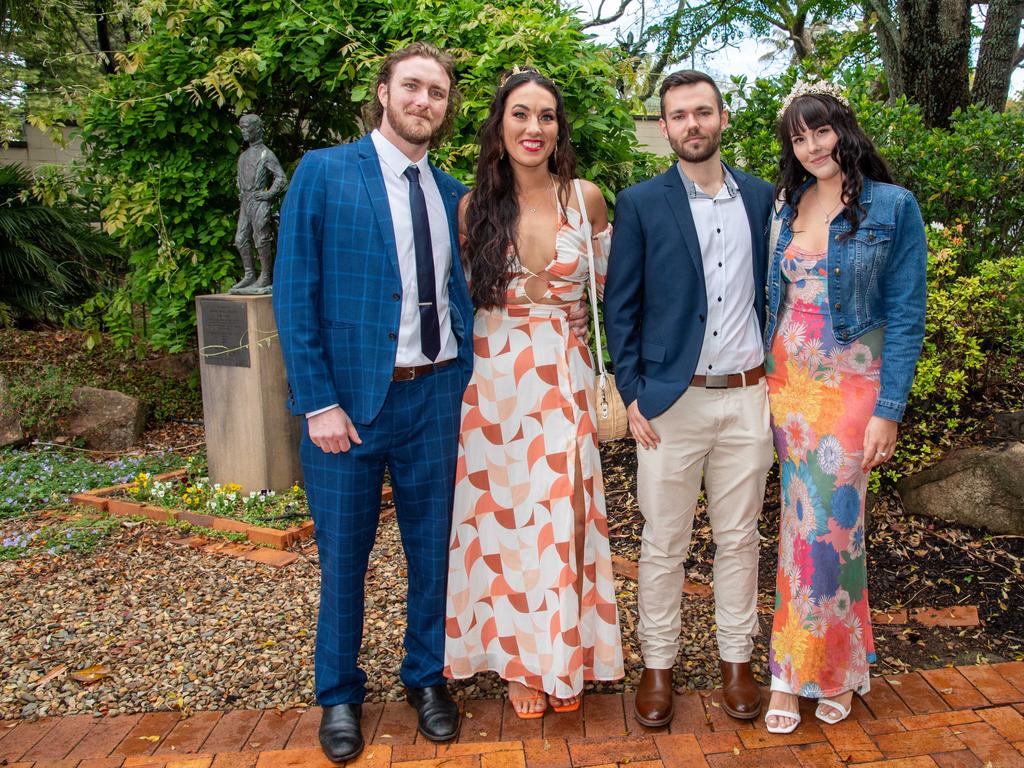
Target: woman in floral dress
530, 588
846, 322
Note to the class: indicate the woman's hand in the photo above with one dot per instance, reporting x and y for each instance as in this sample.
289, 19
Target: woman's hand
879, 442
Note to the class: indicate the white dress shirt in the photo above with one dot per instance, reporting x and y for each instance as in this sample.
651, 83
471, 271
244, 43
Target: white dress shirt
393, 163
732, 337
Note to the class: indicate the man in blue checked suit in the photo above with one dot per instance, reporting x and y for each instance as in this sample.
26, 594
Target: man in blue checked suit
375, 323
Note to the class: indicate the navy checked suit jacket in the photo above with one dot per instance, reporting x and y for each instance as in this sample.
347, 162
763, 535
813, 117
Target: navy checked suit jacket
337, 286
655, 299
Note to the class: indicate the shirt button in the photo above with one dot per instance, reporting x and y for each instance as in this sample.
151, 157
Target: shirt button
719, 263
710, 367
718, 229
715, 333
392, 336
719, 298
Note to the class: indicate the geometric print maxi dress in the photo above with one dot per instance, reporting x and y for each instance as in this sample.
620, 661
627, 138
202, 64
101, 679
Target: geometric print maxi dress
822, 394
528, 421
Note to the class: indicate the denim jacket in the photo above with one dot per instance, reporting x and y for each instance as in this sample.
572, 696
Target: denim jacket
875, 278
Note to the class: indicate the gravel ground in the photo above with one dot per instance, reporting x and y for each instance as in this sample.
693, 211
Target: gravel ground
183, 629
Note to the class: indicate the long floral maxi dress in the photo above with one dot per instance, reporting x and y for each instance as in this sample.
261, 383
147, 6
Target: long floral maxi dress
822, 394
528, 422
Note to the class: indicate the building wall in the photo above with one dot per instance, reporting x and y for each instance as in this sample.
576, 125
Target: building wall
648, 134
38, 149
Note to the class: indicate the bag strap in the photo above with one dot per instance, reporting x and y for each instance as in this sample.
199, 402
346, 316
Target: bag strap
773, 238
588, 234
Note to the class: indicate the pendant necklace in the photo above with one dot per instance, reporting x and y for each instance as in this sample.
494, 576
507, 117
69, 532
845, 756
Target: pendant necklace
832, 211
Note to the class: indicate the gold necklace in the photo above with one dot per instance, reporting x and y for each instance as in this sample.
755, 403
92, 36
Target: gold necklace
832, 211
534, 209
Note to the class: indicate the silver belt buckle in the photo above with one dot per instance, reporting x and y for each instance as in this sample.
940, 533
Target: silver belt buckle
720, 381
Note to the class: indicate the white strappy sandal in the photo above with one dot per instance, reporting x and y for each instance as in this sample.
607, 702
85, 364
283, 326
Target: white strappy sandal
822, 715
794, 716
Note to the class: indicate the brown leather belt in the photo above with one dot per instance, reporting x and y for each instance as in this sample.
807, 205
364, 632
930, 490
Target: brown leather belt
731, 380
418, 371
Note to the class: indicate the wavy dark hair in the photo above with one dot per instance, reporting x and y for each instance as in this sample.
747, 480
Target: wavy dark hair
854, 152
490, 247
373, 110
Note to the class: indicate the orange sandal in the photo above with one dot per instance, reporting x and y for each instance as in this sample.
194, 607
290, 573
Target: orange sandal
538, 696
569, 707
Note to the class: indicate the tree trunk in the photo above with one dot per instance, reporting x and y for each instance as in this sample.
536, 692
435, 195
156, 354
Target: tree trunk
996, 57
935, 41
103, 40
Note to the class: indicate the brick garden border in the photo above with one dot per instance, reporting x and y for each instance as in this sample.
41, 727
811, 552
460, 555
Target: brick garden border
99, 498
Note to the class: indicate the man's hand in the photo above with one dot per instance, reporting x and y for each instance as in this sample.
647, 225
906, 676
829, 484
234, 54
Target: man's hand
333, 431
641, 428
578, 321
879, 442
263, 195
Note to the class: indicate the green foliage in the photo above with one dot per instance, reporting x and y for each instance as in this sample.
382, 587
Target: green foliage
41, 399
971, 175
51, 258
162, 138
973, 350
35, 479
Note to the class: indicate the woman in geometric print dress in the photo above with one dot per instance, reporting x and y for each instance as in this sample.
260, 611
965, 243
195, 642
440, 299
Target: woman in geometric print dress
845, 327
530, 586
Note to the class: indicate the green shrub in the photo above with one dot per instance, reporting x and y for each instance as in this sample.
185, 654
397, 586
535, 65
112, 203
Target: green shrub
51, 257
973, 349
41, 397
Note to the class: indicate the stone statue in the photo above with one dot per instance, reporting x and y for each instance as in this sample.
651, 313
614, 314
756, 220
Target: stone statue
260, 180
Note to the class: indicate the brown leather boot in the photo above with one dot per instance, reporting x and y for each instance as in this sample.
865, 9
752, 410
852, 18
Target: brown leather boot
741, 698
653, 704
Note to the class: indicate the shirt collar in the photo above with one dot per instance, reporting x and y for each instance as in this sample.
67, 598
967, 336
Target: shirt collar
694, 192
393, 158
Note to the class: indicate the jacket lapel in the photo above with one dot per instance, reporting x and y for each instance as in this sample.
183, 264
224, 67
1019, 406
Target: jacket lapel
675, 196
373, 179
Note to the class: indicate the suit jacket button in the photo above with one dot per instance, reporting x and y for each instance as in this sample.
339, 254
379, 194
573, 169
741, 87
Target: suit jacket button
392, 336
396, 296
701, 318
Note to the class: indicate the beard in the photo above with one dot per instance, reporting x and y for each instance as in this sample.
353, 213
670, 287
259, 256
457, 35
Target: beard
411, 130
699, 154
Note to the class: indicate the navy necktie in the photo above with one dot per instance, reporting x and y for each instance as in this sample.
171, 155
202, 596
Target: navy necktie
430, 325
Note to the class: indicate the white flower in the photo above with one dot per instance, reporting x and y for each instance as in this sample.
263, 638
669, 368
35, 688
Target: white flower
938, 226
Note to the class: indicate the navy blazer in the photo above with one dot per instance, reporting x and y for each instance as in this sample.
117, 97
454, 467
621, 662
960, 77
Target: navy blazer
655, 299
337, 285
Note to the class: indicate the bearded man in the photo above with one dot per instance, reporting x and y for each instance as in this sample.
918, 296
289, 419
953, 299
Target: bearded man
683, 310
375, 324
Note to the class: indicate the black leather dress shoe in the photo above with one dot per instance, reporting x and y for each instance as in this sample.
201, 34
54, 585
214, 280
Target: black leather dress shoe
438, 712
340, 736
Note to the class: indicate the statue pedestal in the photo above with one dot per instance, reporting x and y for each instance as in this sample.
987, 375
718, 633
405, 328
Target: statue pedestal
251, 437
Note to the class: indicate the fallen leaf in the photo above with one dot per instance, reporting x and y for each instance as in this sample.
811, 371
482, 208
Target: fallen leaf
736, 750
469, 715
154, 739
91, 674
55, 672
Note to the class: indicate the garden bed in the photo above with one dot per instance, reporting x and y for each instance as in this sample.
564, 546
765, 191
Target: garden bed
117, 500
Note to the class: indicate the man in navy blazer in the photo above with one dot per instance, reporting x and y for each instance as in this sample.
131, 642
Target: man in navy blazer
375, 324
683, 308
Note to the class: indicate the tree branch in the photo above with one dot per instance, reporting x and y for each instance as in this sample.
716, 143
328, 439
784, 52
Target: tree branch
598, 21
81, 35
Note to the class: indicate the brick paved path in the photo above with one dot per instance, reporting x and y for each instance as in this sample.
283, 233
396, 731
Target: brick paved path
962, 717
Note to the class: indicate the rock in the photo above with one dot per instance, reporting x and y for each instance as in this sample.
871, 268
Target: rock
980, 487
10, 422
180, 366
1011, 424
106, 420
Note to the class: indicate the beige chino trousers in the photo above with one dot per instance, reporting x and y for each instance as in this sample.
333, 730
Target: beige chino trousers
724, 435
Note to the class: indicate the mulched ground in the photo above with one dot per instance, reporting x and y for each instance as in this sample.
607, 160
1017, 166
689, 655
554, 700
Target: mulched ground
179, 629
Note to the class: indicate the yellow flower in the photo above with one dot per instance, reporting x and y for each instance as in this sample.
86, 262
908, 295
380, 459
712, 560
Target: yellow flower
790, 639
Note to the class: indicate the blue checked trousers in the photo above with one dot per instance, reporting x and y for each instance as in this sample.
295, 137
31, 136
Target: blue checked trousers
415, 437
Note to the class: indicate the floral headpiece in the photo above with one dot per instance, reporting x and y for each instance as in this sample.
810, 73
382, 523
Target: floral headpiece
815, 87
517, 70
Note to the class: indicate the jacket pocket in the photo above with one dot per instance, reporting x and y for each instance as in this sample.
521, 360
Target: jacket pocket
649, 350
336, 324
871, 246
